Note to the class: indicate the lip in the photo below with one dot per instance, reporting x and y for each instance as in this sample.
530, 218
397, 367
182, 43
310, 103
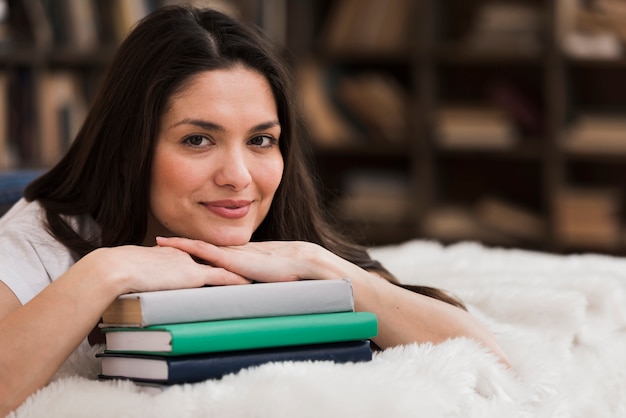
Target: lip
229, 209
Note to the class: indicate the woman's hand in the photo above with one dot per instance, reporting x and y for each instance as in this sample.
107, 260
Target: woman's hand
266, 261
139, 269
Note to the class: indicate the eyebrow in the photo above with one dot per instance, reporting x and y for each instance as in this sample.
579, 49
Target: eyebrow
210, 126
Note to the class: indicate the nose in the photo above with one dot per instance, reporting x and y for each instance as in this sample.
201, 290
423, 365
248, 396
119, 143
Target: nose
233, 170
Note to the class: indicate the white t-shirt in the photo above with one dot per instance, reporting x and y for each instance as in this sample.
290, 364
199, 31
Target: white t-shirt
30, 258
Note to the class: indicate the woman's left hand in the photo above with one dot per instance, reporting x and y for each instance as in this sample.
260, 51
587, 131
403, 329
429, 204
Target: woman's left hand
268, 261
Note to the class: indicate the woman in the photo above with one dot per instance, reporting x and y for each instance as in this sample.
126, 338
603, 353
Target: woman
188, 153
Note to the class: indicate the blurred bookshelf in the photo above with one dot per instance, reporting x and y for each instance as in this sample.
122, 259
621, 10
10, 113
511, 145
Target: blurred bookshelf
499, 121
53, 56
496, 121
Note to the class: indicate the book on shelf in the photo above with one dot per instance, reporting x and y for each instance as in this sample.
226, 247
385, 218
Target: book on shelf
510, 219
195, 368
38, 24
4, 22
342, 106
506, 28
591, 29
83, 23
369, 26
338, 27
19, 26
230, 302
597, 133
375, 196
75, 23
378, 102
451, 223
325, 123
474, 127
588, 217
126, 14
374, 209
376, 182
242, 334
62, 109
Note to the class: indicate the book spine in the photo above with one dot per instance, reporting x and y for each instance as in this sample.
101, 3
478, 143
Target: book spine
348, 352
254, 333
247, 301
189, 369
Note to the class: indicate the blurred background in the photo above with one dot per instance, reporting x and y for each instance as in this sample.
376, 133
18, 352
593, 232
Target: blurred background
501, 121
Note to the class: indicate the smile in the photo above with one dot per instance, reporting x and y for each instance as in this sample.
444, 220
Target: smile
229, 209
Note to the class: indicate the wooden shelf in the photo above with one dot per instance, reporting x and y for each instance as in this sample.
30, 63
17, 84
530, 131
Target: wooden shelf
444, 69
520, 153
460, 54
363, 149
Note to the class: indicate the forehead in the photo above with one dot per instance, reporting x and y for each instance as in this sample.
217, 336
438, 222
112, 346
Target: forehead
237, 82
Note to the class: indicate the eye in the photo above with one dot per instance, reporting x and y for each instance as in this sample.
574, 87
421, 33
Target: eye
197, 141
263, 141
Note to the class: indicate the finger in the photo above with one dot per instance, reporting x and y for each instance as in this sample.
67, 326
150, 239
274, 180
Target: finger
220, 277
198, 248
237, 259
211, 254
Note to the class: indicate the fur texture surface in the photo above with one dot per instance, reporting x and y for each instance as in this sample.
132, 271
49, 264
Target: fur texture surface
561, 320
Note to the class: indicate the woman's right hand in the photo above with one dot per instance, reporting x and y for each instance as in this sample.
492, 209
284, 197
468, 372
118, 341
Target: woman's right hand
141, 269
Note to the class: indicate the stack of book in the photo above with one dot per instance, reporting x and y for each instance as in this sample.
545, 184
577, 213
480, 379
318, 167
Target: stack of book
191, 335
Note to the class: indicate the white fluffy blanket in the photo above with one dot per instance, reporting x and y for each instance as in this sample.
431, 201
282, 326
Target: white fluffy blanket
562, 320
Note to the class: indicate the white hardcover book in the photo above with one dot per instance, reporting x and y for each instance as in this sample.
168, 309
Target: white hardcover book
230, 302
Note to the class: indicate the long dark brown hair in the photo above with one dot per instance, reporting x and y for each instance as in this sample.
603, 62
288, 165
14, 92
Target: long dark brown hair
106, 172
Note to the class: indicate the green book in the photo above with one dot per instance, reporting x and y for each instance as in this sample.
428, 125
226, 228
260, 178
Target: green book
242, 334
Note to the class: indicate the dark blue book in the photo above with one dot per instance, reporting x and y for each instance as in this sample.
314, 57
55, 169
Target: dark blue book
196, 368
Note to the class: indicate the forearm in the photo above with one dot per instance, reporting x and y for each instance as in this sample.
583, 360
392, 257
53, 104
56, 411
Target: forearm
39, 336
405, 317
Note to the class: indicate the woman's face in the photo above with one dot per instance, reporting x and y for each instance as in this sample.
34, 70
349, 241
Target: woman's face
217, 163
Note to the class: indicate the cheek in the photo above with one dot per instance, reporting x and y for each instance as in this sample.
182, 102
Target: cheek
159, 183
272, 176
169, 178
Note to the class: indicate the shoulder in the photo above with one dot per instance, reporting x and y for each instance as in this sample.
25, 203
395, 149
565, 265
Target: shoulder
30, 257
29, 219
21, 215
